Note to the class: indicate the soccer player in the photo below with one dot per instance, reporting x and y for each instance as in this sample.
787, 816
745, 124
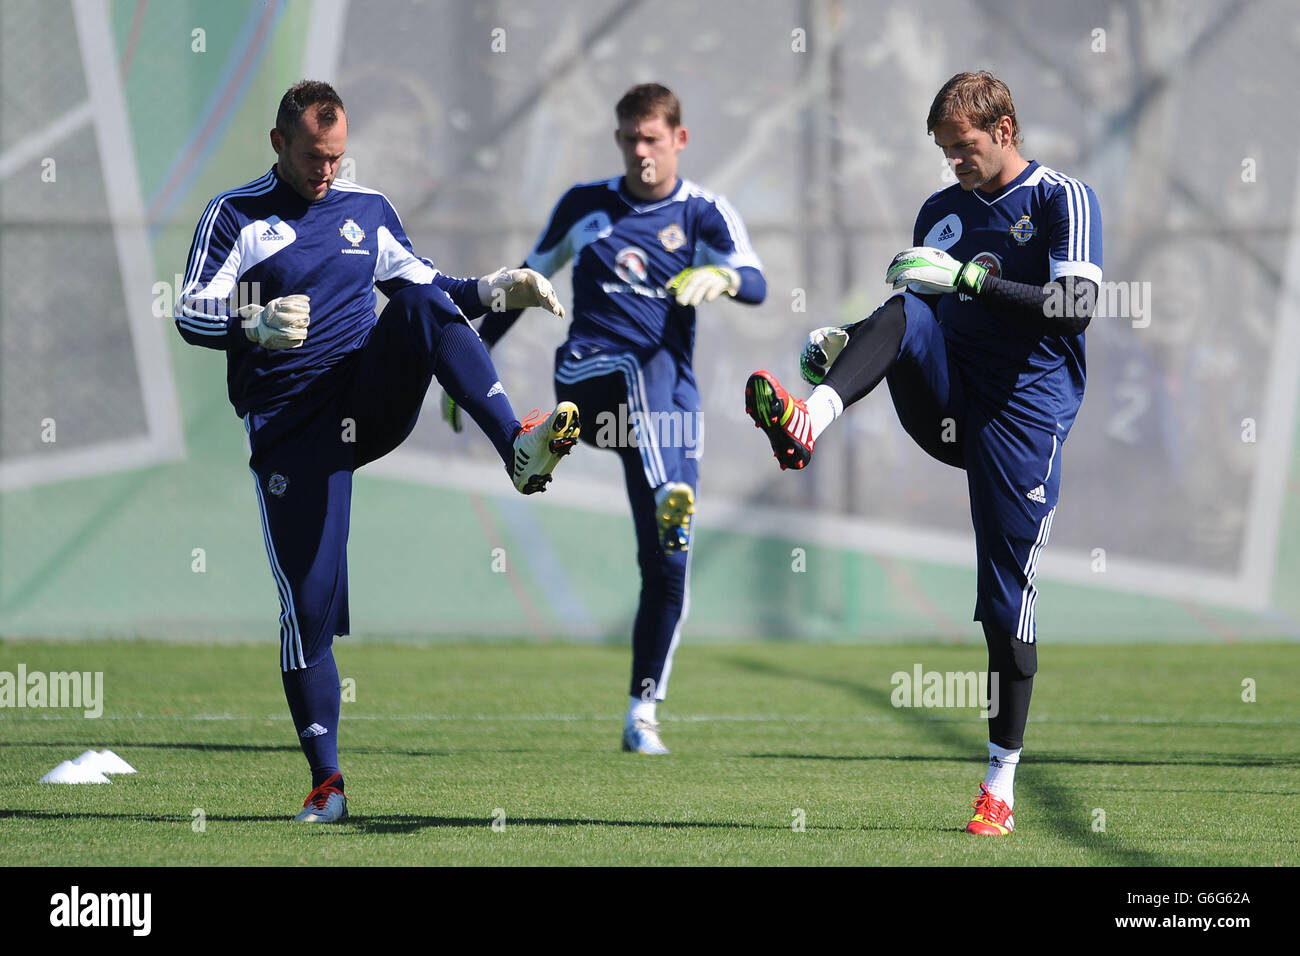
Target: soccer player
647, 248
982, 348
324, 387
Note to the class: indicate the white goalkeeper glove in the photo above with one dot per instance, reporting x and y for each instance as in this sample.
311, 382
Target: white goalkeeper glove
931, 271
451, 412
508, 289
703, 284
820, 352
280, 324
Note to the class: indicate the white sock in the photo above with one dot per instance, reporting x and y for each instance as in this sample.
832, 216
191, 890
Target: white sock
824, 406
1001, 779
645, 709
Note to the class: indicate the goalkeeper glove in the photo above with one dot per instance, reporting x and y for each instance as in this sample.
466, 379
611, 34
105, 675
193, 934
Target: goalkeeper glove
703, 284
509, 289
281, 324
820, 352
932, 271
451, 412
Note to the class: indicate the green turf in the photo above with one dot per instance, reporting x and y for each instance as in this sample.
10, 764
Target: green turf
440, 738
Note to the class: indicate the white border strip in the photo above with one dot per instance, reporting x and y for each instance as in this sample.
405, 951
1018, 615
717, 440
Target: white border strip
126, 211
37, 145
83, 462
320, 60
165, 440
1276, 425
1072, 566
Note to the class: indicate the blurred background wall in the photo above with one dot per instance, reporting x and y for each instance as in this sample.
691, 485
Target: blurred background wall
125, 504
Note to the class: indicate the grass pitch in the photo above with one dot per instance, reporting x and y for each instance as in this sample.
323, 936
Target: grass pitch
1135, 755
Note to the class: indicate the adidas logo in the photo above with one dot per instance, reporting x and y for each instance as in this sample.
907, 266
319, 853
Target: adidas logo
946, 234
591, 225
271, 234
799, 425
496, 389
1038, 495
315, 730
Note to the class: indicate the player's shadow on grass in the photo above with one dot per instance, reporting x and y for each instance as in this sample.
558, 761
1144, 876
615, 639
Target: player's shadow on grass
410, 823
1198, 761
1058, 803
877, 697
352, 750
157, 746
186, 819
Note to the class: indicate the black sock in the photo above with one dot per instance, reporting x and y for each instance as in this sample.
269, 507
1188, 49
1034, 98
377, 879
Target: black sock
872, 350
1015, 663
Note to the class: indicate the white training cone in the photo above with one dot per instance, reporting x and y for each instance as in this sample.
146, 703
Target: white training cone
69, 772
110, 762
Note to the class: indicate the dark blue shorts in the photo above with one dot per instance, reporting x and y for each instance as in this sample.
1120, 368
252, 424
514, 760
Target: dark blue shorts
644, 406
304, 454
1013, 470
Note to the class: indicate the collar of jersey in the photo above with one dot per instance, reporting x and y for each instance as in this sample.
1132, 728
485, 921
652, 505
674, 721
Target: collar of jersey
290, 191
1009, 187
677, 194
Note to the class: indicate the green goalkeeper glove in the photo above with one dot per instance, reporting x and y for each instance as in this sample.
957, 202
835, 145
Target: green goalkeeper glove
280, 324
820, 352
703, 284
451, 412
932, 271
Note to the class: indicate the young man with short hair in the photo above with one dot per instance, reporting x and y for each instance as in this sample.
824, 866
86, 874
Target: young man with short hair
647, 248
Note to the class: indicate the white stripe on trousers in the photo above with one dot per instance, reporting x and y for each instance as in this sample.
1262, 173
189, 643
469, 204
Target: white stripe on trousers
662, 690
1029, 594
291, 654
647, 441
597, 366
